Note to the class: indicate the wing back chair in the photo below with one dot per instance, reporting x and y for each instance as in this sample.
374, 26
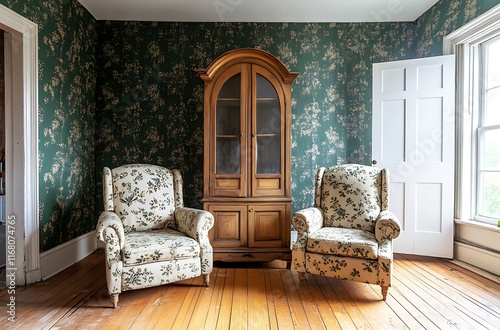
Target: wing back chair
348, 233
151, 239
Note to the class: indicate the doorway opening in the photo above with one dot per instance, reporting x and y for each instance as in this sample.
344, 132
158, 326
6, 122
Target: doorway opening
21, 145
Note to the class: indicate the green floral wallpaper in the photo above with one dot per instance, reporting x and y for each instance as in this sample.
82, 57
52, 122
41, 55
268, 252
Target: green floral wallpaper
150, 100
119, 92
443, 18
67, 80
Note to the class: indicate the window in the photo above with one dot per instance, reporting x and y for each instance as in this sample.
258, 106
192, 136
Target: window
487, 139
476, 46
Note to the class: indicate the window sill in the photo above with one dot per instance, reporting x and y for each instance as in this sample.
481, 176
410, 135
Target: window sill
478, 224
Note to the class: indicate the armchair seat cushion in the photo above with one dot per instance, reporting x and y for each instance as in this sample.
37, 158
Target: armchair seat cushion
345, 242
158, 245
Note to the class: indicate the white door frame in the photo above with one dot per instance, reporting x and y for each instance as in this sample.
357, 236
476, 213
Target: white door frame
21, 112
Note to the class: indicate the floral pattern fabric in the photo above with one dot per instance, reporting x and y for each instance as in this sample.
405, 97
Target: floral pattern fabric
158, 245
343, 242
348, 233
144, 196
151, 239
159, 273
351, 196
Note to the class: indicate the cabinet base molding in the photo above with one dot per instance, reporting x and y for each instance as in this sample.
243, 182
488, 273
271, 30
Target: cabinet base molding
252, 256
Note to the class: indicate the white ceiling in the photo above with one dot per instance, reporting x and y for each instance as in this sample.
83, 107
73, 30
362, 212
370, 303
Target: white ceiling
258, 10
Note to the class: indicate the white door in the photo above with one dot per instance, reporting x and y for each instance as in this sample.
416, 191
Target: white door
413, 136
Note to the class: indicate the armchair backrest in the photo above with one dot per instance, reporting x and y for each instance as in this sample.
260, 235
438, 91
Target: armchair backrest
351, 195
143, 196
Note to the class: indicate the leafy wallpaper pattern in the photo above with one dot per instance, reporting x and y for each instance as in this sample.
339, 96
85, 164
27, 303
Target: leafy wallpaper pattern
150, 100
119, 92
66, 100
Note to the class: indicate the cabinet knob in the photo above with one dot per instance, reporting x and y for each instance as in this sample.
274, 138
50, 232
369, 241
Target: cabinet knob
374, 162
241, 134
251, 210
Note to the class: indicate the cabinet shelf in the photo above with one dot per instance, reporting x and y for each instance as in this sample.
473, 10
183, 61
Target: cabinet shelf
267, 134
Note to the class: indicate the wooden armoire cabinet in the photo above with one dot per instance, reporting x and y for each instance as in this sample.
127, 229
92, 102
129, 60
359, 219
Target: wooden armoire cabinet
247, 116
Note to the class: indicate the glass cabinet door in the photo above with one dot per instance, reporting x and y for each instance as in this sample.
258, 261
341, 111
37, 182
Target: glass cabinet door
268, 130
229, 158
267, 134
227, 127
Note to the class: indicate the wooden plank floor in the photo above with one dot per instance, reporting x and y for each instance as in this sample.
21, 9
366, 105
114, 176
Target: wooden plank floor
427, 293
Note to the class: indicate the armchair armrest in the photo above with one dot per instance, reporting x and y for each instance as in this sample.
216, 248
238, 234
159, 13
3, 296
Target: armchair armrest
308, 220
110, 229
387, 226
194, 222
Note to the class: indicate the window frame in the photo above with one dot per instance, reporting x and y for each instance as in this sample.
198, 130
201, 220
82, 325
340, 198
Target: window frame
463, 43
481, 128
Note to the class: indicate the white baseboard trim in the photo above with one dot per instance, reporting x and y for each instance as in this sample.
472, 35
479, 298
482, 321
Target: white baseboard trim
479, 260
67, 254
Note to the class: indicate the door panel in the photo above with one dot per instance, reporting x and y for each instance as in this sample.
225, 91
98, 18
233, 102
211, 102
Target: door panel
430, 130
393, 114
230, 227
413, 136
266, 225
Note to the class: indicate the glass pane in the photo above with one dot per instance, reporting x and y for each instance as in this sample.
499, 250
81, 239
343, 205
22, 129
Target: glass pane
268, 154
264, 88
228, 108
268, 128
228, 155
491, 195
231, 88
268, 117
491, 150
493, 64
268, 108
492, 108
227, 127
228, 117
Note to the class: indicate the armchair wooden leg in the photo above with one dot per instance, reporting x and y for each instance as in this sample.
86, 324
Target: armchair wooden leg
206, 279
114, 299
302, 278
385, 288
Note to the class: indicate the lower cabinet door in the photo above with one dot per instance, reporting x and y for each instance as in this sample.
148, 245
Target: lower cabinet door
230, 227
268, 226
253, 226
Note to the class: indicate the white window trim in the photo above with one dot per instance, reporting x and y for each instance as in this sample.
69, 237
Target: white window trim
480, 29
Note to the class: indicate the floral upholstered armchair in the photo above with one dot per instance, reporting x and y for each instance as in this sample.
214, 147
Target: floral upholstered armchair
151, 239
348, 233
